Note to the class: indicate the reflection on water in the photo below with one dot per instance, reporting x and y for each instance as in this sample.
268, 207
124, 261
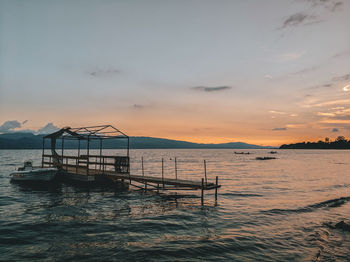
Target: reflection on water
268, 210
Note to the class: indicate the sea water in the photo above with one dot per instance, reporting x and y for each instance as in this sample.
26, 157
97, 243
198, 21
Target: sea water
272, 210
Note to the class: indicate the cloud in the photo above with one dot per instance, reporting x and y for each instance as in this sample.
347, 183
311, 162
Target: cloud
14, 126
298, 19
330, 5
335, 130
331, 103
49, 128
104, 72
279, 129
277, 112
345, 77
336, 6
8, 126
138, 106
308, 16
333, 82
211, 89
325, 114
291, 56
346, 88
322, 64
341, 114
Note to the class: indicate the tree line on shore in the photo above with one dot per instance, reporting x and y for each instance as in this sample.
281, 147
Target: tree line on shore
339, 143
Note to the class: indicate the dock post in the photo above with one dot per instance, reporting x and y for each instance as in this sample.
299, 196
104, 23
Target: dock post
42, 155
205, 172
202, 195
175, 169
88, 155
216, 189
163, 171
100, 152
143, 172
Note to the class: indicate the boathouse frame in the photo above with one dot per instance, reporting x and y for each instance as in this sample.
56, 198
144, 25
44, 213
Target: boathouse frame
94, 136
114, 170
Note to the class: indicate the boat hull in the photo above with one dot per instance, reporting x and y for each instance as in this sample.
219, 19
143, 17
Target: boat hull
35, 175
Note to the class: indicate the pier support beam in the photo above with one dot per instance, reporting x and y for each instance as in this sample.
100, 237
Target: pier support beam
202, 194
163, 171
216, 189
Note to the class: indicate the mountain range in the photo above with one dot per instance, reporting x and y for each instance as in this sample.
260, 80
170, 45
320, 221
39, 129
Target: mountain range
17, 140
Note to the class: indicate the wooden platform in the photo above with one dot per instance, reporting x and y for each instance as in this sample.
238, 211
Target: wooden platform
158, 182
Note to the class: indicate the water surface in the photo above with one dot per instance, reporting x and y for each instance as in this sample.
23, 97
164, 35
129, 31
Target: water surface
273, 210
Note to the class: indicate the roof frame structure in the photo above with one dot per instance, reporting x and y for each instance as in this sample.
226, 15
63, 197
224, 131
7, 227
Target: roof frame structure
88, 133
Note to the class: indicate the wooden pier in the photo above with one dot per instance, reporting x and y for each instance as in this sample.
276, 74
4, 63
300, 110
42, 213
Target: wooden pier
112, 170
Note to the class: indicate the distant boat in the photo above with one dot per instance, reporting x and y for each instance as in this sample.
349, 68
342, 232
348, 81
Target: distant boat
28, 173
265, 158
242, 153
273, 152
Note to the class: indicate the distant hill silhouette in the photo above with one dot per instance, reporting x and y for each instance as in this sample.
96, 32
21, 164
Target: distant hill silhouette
339, 143
31, 141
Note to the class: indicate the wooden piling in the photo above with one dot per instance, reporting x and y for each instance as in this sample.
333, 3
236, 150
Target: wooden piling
202, 194
216, 189
163, 171
143, 172
205, 172
175, 169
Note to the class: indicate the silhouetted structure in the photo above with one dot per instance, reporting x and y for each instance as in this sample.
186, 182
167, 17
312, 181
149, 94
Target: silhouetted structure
339, 143
99, 168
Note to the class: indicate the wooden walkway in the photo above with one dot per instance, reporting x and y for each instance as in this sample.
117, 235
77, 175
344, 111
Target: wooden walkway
160, 182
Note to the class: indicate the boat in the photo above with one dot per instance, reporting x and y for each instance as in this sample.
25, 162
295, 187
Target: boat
265, 158
242, 153
28, 173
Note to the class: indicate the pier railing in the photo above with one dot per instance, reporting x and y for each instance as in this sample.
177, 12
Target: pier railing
88, 163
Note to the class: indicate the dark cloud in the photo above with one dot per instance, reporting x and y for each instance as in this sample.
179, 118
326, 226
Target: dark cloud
297, 19
104, 72
8, 126
335, 130
211, 89
332, 82
279, 129
336, 6
49, 128
306, 18
342, 78
330, 5
138, 106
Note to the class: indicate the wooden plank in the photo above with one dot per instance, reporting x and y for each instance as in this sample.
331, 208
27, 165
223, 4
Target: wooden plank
144, 179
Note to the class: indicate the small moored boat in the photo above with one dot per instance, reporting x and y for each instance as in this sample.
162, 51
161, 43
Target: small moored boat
28, 173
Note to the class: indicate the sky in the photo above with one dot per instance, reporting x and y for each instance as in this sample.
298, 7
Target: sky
264, 72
